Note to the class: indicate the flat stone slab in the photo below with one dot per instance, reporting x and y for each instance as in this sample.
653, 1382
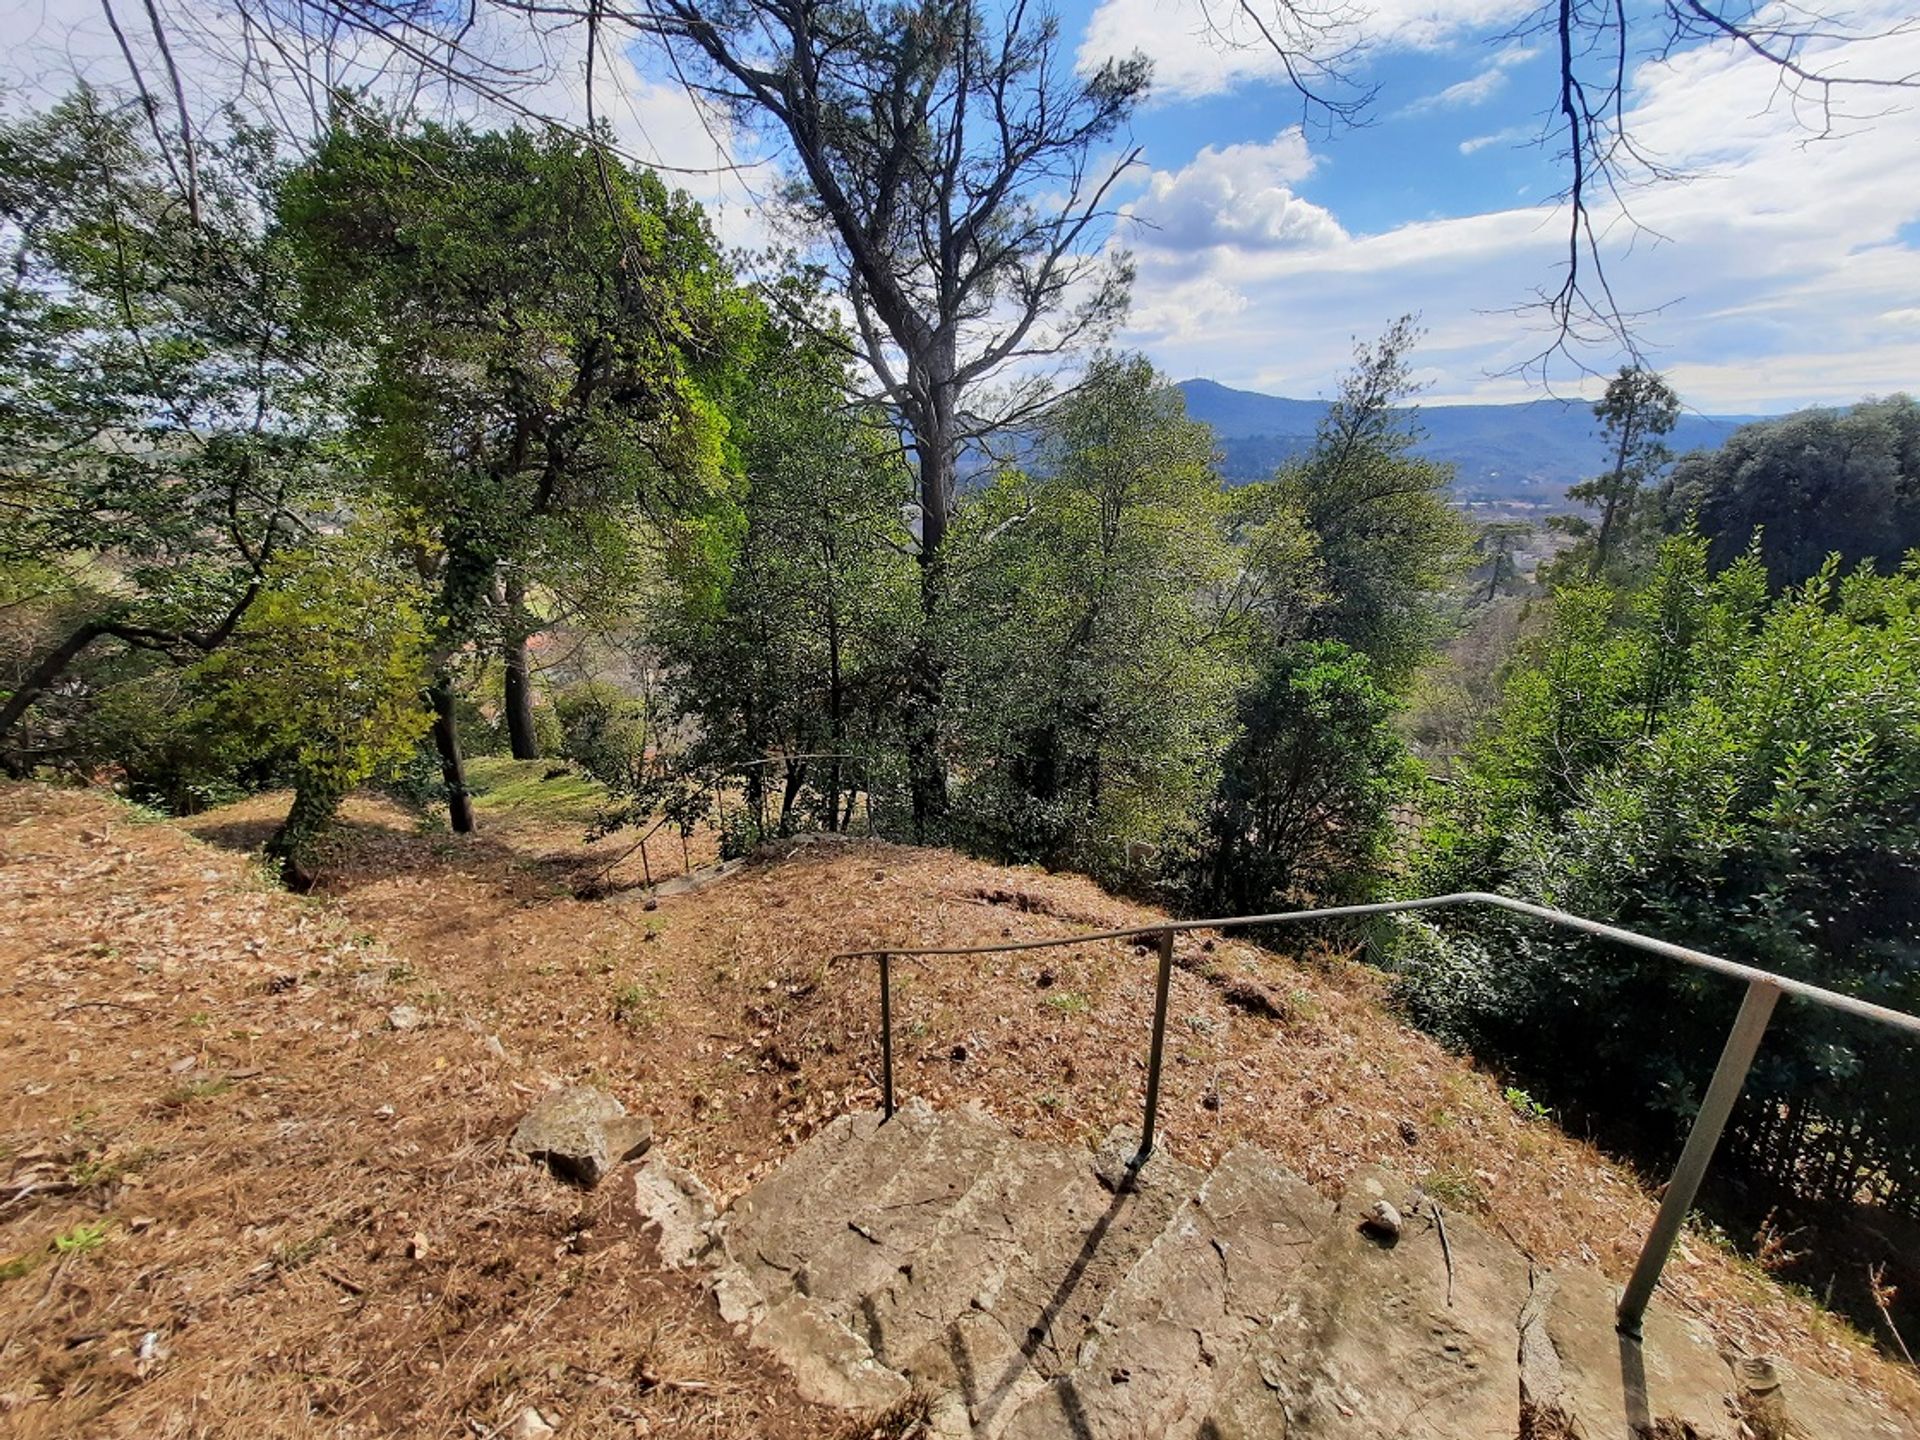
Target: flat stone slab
1185, 1313
830, 1364
1368, 1341
1043, 1274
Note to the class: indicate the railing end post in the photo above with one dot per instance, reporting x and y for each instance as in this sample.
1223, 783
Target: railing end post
886, 1039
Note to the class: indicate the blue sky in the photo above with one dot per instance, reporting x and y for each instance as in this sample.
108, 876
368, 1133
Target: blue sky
1777, 273
1780, 272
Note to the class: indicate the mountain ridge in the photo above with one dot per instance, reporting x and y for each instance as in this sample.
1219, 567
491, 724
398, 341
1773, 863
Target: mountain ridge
1520, 455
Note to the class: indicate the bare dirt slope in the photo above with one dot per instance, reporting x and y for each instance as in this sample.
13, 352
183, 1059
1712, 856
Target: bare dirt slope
213, 1136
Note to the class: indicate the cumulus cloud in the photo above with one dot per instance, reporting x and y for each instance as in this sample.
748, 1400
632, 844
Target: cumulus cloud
1787, 270
1239, 195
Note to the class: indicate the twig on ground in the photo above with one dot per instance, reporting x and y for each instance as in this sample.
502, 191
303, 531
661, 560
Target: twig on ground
1446, 1250
102, 1005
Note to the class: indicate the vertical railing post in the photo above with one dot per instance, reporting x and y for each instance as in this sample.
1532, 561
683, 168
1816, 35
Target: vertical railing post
1160, 983
1736, 1059
886, 1038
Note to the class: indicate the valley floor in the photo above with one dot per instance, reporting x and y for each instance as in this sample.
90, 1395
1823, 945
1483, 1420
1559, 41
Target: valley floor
236, 1198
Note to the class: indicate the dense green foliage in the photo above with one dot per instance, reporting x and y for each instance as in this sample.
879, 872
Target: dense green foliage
1715, 768
1303, 810
166, 425
1090, 678
789, 605
1812, 484
321, 683
551, 335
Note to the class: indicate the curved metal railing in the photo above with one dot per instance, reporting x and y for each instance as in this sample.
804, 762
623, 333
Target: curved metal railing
1764, 989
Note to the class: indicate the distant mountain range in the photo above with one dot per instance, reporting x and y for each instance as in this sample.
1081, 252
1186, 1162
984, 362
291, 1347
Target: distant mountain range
1518, 457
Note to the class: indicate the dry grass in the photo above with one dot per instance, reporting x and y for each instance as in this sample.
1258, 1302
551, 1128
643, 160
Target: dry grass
262, 1222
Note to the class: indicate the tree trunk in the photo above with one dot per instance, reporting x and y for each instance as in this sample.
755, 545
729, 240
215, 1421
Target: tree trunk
42, 677
1616, 493
521, 736
836, 711
926, 770
453, 768
293, 843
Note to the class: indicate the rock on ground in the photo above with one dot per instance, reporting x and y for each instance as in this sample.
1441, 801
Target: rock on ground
581, 1133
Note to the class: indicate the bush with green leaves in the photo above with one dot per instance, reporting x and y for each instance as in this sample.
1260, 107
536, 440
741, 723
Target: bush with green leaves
322, 682
1304, 808
1698, 763
606, 731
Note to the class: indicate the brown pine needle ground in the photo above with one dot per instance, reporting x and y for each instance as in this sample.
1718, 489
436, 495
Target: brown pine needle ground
211, 1136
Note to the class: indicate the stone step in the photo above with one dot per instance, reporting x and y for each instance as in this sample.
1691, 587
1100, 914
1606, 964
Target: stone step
889, 1210
1676, 1380
775, 1231
1040, 1263
1186, 1311
1374, 1339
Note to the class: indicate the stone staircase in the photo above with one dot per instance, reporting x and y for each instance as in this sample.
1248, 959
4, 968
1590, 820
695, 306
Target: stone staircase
1031, 1292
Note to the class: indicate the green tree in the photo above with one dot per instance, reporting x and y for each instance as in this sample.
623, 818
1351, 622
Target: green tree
1812, 484
167, 422
1387, 539
321, 684
1093, 667
788, 611
1303, 810
1638, 409
553, 338
961, 171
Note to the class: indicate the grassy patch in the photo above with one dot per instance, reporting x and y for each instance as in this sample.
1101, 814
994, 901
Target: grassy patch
194, 1090
1068, 1002
637, 1005
519, 787
1454, 1188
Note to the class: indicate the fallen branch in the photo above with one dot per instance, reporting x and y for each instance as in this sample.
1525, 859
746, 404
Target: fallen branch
1446, 1250
1883, 1294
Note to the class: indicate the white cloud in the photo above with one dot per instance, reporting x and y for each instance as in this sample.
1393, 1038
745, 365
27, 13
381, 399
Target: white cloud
1476, 89
1513, 134
1779, 264
1209, 47
1239, 195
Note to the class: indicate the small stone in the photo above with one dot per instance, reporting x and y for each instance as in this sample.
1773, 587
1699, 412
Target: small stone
1409, 1132
1382, 1221
529, 1424
404, 1017
417, 1246
582, 1133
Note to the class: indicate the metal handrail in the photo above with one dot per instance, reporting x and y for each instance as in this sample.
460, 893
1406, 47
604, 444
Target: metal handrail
1764, 988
